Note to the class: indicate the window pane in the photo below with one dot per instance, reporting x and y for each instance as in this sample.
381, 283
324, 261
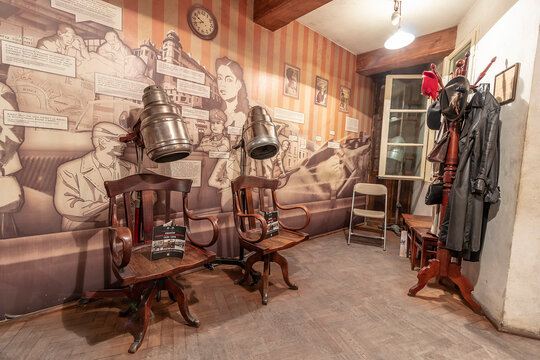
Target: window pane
406, 94
406, 128
459, 56
404, 160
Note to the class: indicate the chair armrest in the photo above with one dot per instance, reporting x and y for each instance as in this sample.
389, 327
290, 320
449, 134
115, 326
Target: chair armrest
258, 217
120, 245
283, 207
213, 222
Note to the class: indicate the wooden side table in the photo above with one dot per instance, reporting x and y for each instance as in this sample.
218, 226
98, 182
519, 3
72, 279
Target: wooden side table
411, 221
426, 243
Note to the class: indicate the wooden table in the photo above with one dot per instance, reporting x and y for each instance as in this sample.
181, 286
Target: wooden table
426, 243
411, 221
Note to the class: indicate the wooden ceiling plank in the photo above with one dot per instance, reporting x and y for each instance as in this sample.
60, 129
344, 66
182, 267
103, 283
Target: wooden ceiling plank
428, 48
274, 14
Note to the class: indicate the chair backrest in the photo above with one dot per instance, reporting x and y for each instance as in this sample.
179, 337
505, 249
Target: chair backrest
140, 189
243, 188
370, 189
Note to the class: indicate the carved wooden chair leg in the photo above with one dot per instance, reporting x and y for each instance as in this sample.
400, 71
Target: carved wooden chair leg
175, 288
277, 258
424, 275
138, 324
249, 265
131, 308
266, 274
134, 295
465, 287
255, 276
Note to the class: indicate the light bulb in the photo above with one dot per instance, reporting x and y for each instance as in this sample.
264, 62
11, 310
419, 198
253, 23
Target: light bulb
398, 40
395, 18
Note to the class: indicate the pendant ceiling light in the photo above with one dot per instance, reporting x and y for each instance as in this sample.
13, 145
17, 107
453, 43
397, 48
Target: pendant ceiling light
400, 38
396, 16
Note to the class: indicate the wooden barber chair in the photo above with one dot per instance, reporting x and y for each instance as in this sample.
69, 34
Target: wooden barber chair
130, 247
253, 237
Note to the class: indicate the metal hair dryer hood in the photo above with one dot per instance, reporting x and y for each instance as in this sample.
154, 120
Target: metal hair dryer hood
162, 129
259, 135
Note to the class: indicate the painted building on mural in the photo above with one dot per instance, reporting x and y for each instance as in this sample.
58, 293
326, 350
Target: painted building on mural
173, 53
105, 66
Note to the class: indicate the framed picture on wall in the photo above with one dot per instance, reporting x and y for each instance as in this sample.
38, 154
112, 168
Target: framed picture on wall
321, 91
291, 76
344, 98
505, 84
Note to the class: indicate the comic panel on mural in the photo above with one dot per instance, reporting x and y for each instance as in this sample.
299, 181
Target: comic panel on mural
70, 86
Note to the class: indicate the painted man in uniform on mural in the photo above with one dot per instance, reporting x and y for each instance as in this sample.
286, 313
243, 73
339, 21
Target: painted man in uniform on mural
216, 141
80, 195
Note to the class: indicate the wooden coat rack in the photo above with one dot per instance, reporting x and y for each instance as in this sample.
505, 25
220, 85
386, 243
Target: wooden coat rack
443, 265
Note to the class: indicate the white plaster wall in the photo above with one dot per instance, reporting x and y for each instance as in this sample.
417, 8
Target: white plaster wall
418, 205
513, 38
522, 305
483, 14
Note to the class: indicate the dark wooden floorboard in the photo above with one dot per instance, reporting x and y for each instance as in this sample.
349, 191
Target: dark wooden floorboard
351, 304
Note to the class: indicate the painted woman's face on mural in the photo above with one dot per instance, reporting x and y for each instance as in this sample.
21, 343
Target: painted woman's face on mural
228, 84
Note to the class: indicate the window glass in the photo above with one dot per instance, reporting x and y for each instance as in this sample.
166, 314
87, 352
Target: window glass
404, 160
406, 127
459, 56
406, 95
403, 132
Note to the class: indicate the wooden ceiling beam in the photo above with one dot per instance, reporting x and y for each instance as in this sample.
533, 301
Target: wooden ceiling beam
274, 14
428, 48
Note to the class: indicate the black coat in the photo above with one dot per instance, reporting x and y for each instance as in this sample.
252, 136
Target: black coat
476, 184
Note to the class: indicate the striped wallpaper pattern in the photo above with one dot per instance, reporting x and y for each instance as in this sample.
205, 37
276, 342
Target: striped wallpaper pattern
262, 54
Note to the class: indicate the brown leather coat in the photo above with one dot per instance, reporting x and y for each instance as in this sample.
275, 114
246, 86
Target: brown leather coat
476, 184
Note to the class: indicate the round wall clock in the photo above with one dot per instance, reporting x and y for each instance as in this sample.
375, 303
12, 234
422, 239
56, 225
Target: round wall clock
202, 22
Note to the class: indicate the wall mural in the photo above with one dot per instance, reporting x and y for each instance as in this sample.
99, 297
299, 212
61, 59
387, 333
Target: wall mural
67, 90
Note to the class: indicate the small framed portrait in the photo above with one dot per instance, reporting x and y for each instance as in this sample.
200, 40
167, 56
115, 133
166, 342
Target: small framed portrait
505, 85
291, 78
321, 91
344, 98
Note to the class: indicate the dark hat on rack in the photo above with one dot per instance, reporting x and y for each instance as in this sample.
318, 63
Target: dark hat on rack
434, 116
453, 98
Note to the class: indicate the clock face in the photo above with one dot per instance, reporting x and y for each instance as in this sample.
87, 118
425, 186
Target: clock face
202, 22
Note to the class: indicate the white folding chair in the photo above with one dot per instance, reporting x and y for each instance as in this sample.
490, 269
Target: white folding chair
374, 190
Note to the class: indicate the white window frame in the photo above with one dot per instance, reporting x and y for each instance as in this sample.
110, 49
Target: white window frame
384, 132
472, 38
